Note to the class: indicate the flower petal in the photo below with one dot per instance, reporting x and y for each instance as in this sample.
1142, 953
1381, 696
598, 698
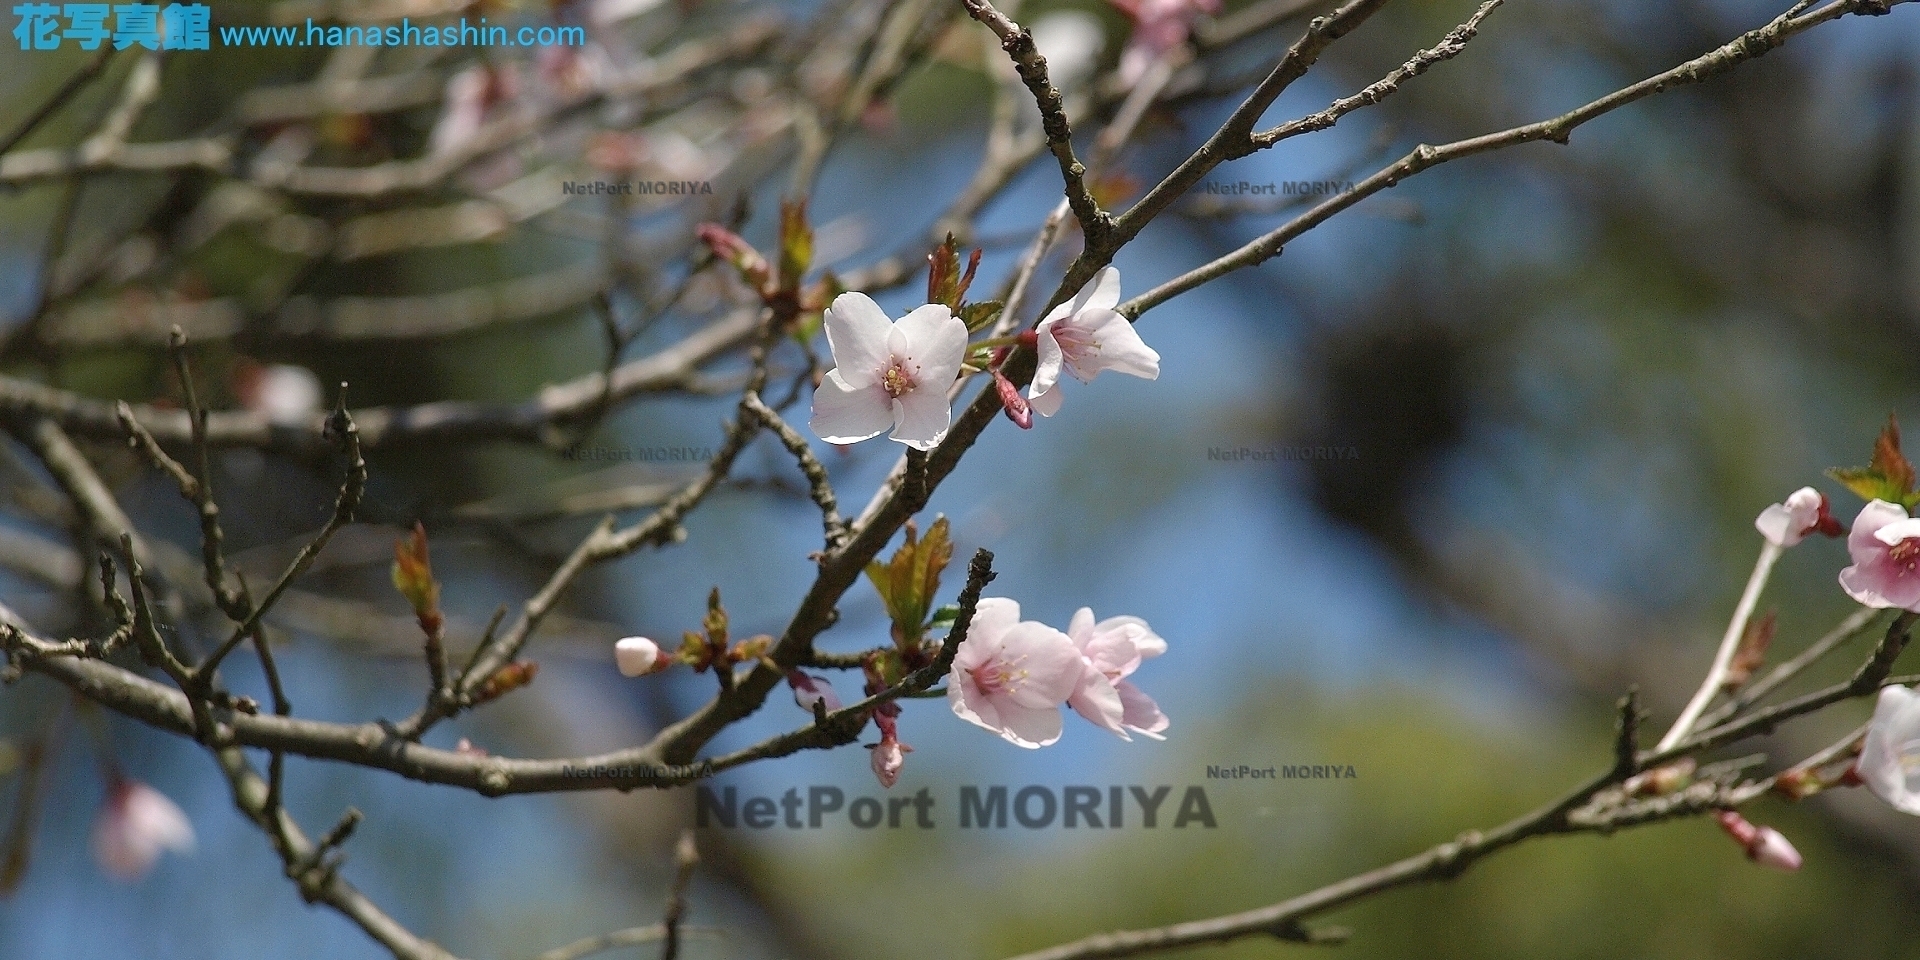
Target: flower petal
1029, 727
1118, 347
992, 618
921, 417
857, 333
1142, 715
1100, 293
1049, 663
1148, 643
1099, 702
1894, 732
936, 340
843, 413
970, 704
1046, 402
1080, 628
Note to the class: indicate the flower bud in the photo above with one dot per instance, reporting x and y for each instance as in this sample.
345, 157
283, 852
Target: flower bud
1012, 402
639, 656
809, 689
728, 246
889, 757
505, 680
1764, 845
413, 577
1662, 780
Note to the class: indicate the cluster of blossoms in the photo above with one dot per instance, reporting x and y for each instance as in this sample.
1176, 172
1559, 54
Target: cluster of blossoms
1011, 676
1884, 547
895, 375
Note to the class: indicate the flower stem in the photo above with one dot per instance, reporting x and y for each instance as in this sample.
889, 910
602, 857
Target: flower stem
1717, 675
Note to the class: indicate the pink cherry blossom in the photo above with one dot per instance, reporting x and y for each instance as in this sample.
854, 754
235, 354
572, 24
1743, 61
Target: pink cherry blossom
1084, 336
1885, 544
1111, 650
888, 374
1803, 514
1010, 676
136, 824
638, 656
1889, 761
807, 689
1158, 26
1764, 845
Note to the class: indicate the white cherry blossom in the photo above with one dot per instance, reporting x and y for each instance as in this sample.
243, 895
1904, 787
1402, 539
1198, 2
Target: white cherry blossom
1084, 336
888, 374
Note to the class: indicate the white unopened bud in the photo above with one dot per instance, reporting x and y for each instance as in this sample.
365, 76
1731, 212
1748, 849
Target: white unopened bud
638, 656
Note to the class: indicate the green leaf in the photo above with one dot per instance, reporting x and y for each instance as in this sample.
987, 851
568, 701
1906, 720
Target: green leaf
1887, 476
908, 581
796, 244
979, 316
945, 616
716, 620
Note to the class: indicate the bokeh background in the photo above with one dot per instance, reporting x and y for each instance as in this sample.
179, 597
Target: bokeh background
1568, 378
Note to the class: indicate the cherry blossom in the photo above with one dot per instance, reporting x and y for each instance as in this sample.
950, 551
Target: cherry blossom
1010, 676
888, 374
1889, 761
1084, 336
1071, 40
1885, 544
136, 824
1764, 845
285, 393
1158, 26
809, 689
1111, 650
639, 656
1804, 513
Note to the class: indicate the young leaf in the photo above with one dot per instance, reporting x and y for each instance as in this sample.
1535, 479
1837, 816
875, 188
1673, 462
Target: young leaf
1887, 476
413, 577
796, 244
908, 581
979, 316
943, 272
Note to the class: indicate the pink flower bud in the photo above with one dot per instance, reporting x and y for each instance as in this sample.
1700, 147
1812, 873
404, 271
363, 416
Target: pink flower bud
135, 825
807, 689
1804, 513
889, 756
728, 246
1764, 845
638, 656
1012, 402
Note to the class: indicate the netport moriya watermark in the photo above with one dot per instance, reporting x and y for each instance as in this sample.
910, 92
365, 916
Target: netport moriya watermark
1035, 807
635, 188
1285, 188
638, 454
1301, 771
1274, 454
